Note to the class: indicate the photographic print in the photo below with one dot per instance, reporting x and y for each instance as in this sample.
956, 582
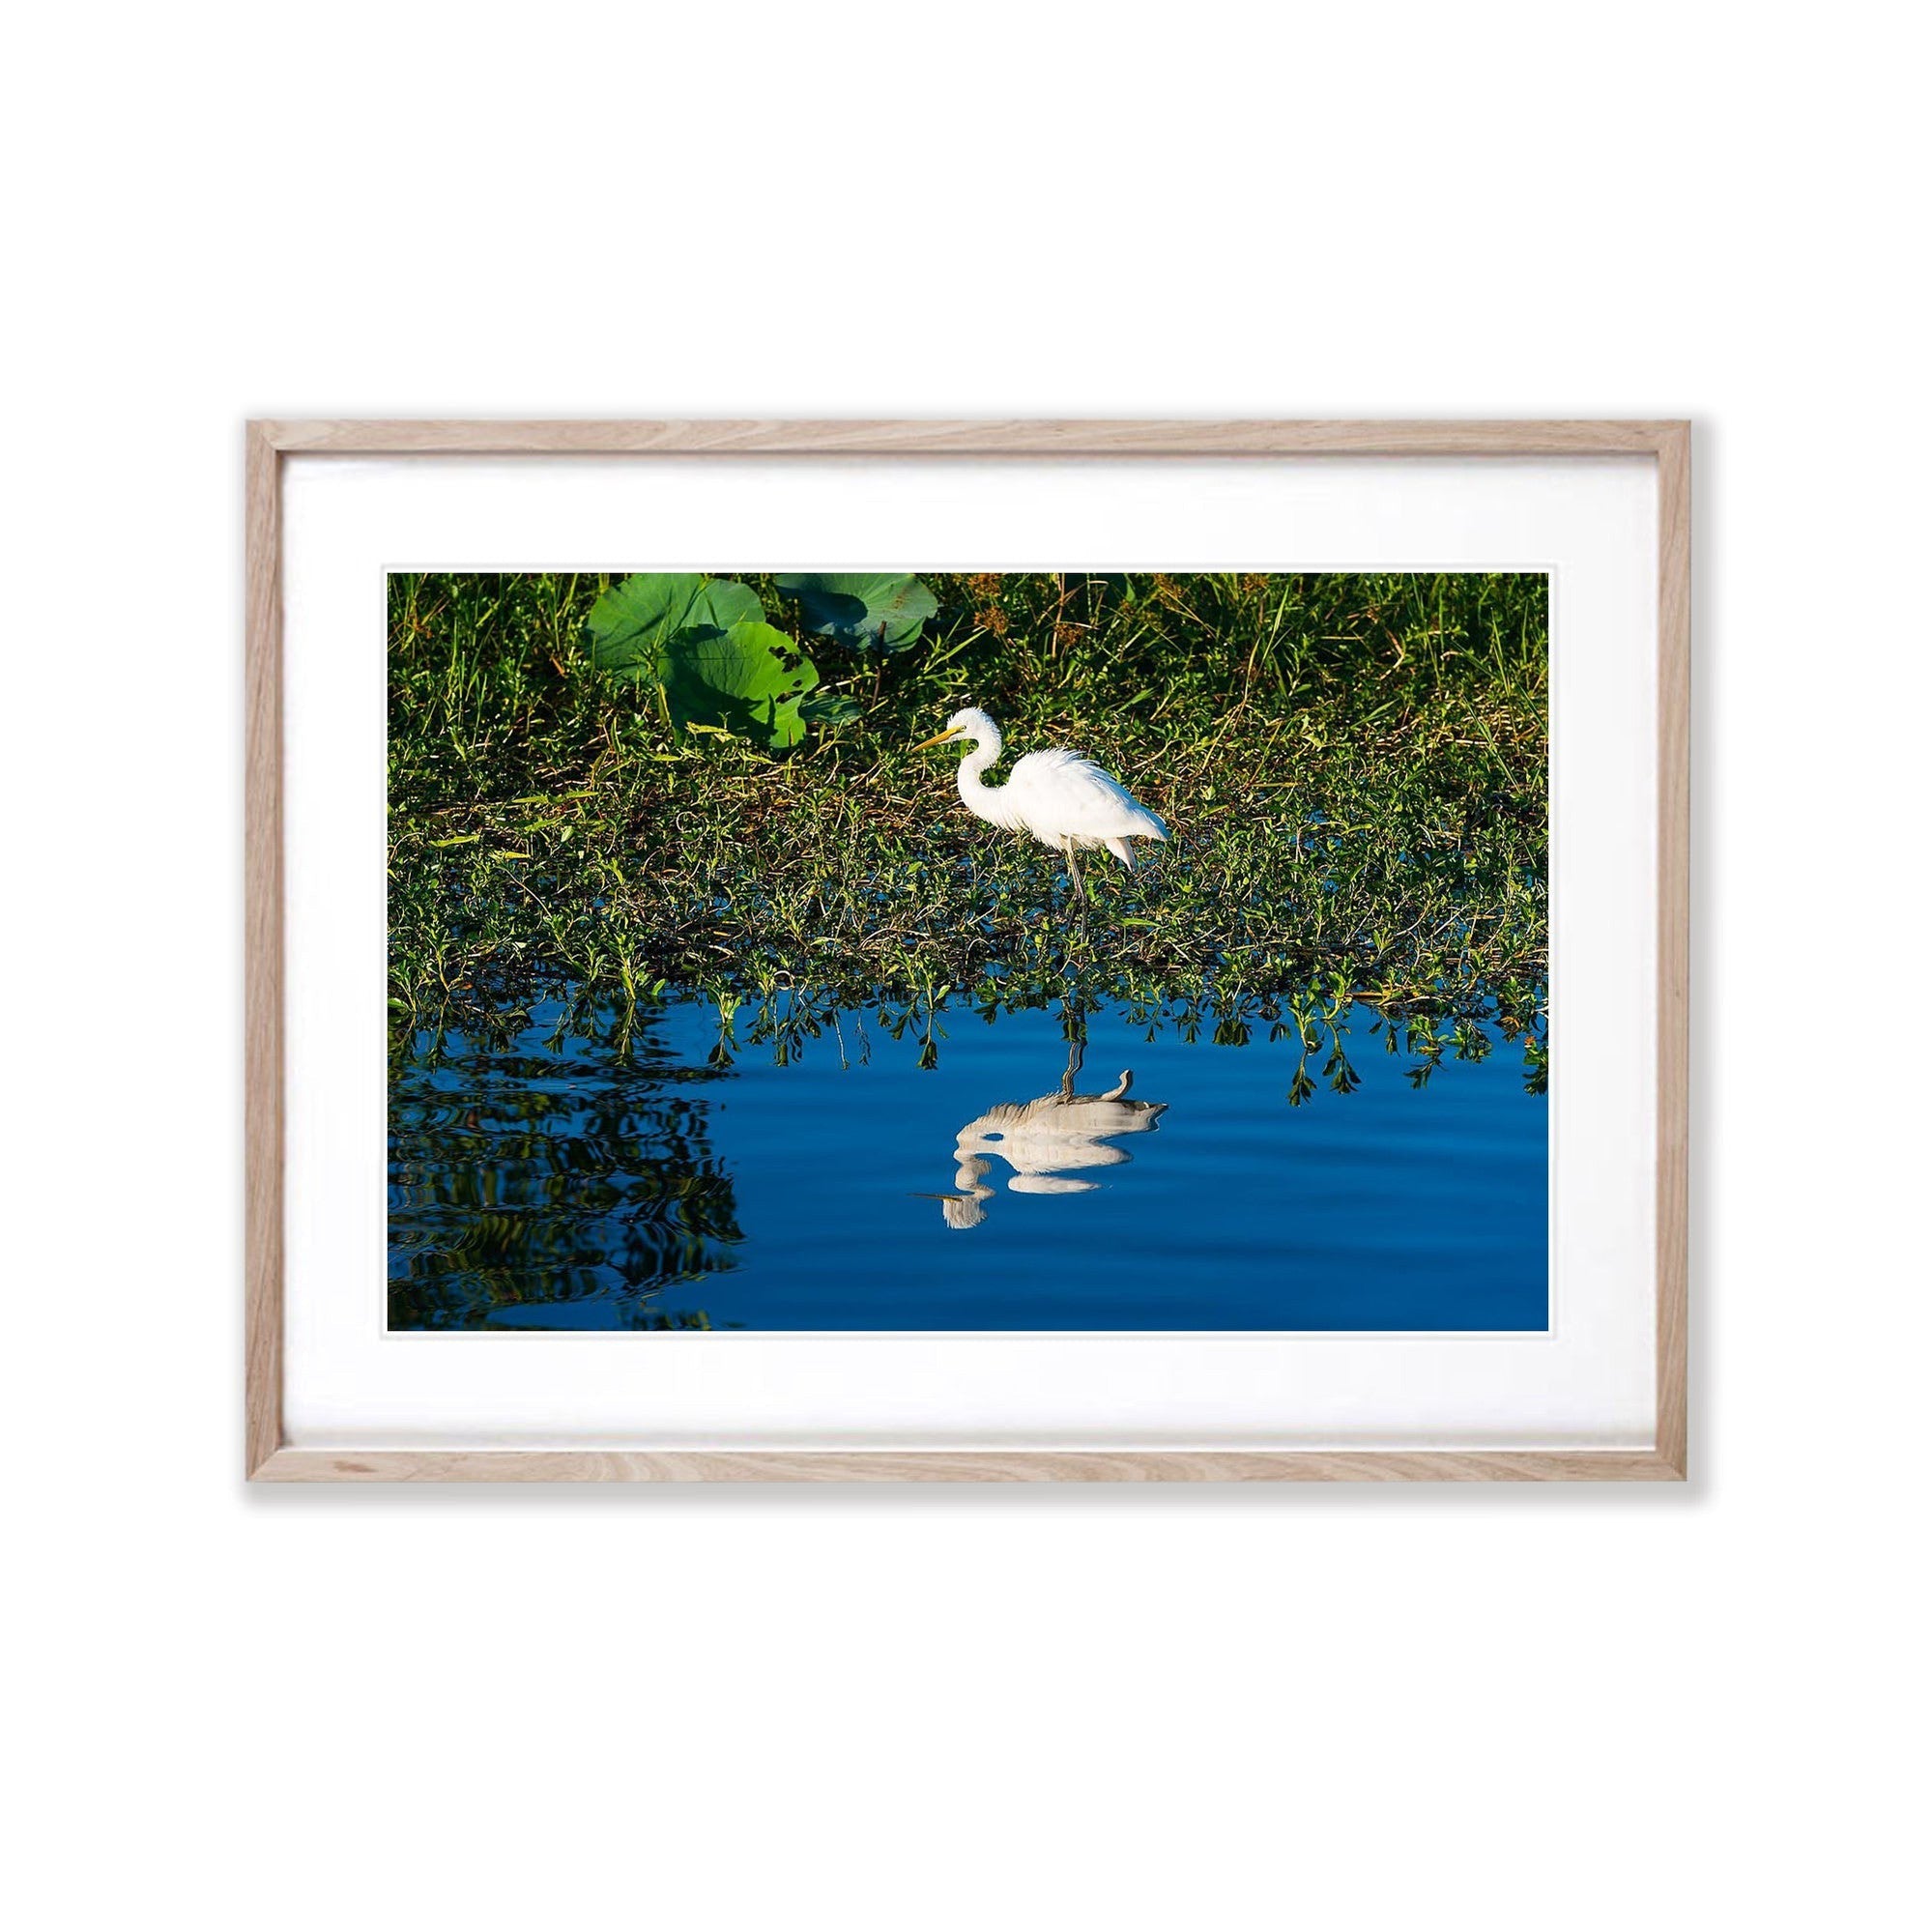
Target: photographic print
928, 950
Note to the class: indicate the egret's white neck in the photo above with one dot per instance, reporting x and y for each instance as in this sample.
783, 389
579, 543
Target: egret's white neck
976, 793
986, 747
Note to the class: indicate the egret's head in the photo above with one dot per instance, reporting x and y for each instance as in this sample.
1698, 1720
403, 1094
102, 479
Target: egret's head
971, 723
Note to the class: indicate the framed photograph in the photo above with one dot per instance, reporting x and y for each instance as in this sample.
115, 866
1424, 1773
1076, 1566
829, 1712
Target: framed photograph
968, 951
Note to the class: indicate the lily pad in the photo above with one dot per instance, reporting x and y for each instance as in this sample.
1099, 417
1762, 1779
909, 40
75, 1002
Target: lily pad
829, 708
869, 610
633, 621
747, 681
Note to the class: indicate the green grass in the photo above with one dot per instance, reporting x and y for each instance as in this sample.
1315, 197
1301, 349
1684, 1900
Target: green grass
1355, 769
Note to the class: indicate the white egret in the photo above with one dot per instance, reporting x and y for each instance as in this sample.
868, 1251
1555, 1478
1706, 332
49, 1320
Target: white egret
1062, 799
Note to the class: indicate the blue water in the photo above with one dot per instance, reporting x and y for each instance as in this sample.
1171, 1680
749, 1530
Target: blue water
555, 1181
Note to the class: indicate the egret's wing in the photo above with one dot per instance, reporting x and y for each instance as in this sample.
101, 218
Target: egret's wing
1062, 795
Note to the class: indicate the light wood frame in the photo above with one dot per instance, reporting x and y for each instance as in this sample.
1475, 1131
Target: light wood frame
270, 1458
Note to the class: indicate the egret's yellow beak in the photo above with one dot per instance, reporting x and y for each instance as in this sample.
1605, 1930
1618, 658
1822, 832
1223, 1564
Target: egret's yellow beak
950, 732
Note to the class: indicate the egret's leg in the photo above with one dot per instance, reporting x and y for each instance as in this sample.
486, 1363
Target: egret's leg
1072, 873
1075, 1059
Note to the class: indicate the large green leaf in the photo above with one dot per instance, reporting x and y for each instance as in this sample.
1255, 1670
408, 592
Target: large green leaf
747, 681
829, 708
633, 621
874, 611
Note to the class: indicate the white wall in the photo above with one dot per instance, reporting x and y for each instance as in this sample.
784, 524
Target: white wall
883, 1709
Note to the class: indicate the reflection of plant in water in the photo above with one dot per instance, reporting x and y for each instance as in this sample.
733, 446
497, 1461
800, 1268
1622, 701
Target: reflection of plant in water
540, 1163
1322, 1020
572, 1168
728, 1005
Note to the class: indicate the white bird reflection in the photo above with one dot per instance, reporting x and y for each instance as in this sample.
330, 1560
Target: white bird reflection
1045, 1142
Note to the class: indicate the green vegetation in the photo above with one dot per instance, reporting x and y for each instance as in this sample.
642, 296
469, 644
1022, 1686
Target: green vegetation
611, 788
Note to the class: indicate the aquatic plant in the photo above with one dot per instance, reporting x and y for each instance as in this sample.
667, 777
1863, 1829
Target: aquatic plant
702, 644
876, 610
1354, 769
